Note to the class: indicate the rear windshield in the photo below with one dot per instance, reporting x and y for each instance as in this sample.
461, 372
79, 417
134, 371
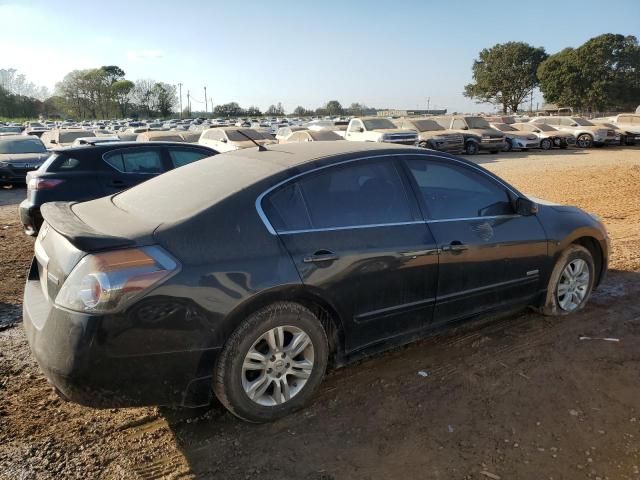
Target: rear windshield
30, 145
477, 122
236, 136
69, 137
582, 122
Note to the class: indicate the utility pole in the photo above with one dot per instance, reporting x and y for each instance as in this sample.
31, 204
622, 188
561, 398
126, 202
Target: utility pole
188, 104
428, 103
206, 104
180, 87
212, 107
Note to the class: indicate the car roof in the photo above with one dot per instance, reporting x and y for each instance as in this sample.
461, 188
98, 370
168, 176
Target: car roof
116, 145
4, 138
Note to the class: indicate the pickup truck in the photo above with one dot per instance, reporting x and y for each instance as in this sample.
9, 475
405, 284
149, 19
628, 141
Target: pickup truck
376, 129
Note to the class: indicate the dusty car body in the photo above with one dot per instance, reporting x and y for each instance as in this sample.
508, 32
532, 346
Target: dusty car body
312, 136
160, 136
64, 137
432, 135
242, 274
586, 133
630, 123
548, 136
377, 129
227, 139
515, 138
20, 154
474, 128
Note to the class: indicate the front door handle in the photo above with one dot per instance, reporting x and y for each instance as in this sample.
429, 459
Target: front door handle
117, 183
455, 246
321, 256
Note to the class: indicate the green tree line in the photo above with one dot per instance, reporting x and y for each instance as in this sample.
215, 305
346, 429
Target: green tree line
602, 74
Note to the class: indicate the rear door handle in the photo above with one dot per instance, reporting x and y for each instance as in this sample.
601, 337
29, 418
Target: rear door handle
321, 256
455, 247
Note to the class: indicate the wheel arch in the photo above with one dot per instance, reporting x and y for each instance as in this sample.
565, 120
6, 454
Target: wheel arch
326, 313
595, 249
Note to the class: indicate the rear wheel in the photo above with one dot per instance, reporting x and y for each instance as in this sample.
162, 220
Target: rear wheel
508, 146
273, 363
546, 144
571, 282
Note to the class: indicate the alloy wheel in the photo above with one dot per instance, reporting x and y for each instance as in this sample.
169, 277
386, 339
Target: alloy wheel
573, 285
278, 365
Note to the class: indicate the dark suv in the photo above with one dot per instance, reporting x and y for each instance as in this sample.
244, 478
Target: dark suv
93, 171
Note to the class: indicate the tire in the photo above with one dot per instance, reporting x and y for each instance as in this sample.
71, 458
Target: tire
471, 148
232, 381
556, 303
546, 144
584, 141
508, 146
494, 152
423, 144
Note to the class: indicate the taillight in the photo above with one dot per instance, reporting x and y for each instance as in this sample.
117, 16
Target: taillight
104, 282
39, 183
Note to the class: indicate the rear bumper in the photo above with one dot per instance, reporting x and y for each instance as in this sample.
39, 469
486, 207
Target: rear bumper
30, 217
73, 351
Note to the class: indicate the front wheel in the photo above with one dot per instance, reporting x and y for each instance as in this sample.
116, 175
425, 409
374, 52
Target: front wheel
471, 148
508, 146
570, 283
584, 141
546, 144
272, 363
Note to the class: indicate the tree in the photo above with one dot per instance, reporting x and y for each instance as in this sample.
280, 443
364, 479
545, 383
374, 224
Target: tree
165, 98
300, 111
275, 110
253, 111
505, 74
333, 107
602, 73
143, 94
357, 109
122, 95
227, 110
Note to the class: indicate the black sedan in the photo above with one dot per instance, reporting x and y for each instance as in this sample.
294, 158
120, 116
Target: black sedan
97, 169
248, 273
18, 155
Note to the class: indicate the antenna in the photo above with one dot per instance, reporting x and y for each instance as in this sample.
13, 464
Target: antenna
261, 148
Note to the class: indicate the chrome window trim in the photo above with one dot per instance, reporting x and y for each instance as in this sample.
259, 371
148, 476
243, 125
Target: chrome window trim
272, 231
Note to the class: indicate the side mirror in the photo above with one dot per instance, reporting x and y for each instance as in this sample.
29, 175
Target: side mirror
223, 140
465, 128
361, 129
53, 141
526, 207
537, 131
574, 124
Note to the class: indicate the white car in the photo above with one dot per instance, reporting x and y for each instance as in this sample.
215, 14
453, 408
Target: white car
376, 129
227, 139
586, 133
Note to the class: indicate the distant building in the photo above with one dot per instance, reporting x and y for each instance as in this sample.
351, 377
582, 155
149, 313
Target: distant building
409, 113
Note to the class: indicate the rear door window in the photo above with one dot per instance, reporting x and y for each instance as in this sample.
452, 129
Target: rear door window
138, 160
184, 156
359, 194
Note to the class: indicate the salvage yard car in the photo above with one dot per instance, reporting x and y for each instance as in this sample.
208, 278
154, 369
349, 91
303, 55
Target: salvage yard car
516, 139
248, 273
18, 155
586, 133
227, 139
377, 129
63, 137
474, 128
549, 137
312, 136
98, 169
432, 135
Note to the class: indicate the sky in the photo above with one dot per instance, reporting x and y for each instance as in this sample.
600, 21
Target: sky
385, 54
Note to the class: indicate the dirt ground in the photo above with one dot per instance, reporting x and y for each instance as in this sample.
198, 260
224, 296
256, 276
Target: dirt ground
515, 397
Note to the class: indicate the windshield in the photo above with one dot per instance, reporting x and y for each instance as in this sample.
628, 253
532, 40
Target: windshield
379, 124
477, 122
426, 125
582, 122
503, 127
236, 136
22, 146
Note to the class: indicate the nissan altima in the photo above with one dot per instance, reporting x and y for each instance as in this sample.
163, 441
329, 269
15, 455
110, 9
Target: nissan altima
248, 274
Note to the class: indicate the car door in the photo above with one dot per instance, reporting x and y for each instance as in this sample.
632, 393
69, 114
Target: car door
356, 237
126, 167
354, 131
490, 256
